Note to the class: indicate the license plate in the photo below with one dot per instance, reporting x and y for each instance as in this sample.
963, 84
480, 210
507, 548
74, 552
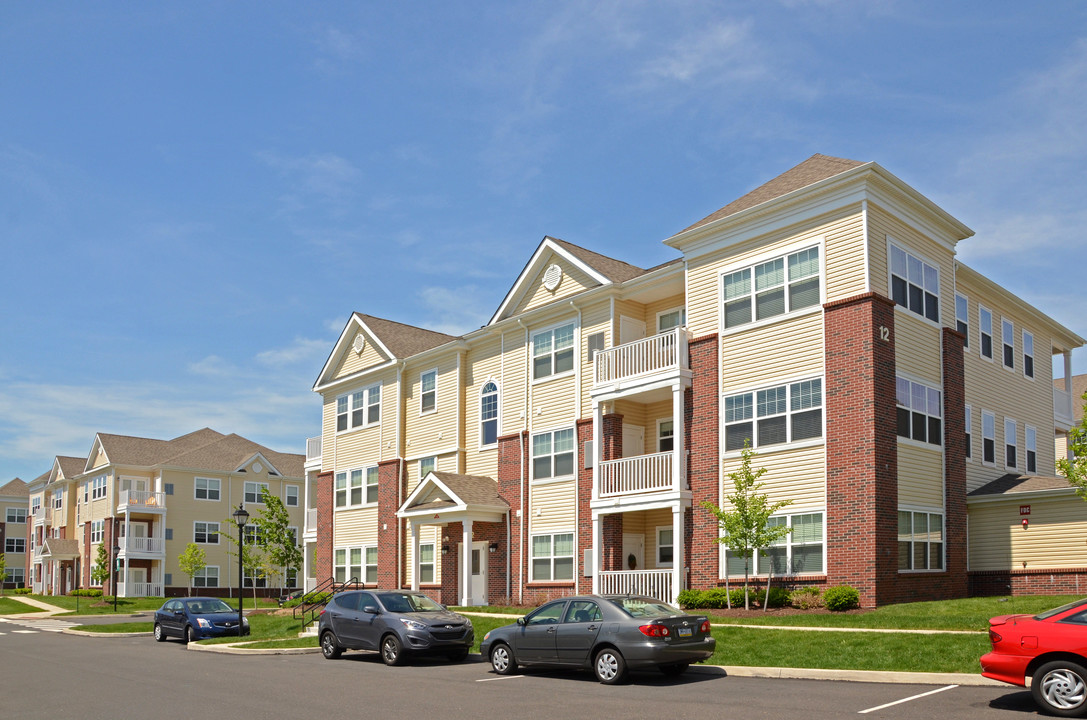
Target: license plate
686, 632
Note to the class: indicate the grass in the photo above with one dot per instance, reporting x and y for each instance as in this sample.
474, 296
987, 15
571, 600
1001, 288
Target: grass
129, 627
125, 606
14, 607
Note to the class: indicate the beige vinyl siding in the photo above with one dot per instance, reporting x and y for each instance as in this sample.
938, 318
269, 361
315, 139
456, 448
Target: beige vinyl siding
920, 476
366, 445
655, 308
515, 380
352, 362
654, 519
552, 507
1054, 538
798, 475
594, 319
654, 412
768, 354
432, 431
483, 364
427, 534
554, 403
446, 462
574, 281
355, 526
634, 413
918, 349
844, 262
632, 310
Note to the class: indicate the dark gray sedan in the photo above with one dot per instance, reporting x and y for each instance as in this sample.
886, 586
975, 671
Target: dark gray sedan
608, 633
395, 623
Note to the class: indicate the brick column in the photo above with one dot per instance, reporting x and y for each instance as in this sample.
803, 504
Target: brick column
322, 554
861, 447
611, 558
88, 561
702, 415
512, 459
389, 538
451, 563
955, 548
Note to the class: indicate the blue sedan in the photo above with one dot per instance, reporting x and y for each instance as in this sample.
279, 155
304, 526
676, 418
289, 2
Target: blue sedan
196, 618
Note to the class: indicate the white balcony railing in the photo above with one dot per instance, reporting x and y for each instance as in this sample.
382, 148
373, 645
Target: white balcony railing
313, 448
659, 353
633, 475
38, 514
139, 589
654, 583
143, 545
141, 500
1062, 408
311, 521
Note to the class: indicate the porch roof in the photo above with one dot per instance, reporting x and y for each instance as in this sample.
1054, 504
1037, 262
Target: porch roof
446, 497
60, 549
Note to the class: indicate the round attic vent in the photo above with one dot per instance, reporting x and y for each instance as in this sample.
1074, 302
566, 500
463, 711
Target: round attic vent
257, 467
552, 277
359, 344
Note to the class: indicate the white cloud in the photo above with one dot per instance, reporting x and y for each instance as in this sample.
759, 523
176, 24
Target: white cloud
306, 352
212, 366
722, 53
455, 311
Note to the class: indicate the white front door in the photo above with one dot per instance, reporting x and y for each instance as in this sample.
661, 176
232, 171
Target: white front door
630, 329
138, 579
477, 590
633, 440
634, 544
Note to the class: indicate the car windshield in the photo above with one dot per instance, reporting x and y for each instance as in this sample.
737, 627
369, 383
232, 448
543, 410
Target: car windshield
643, 607
1057, 611
204, 607
406, 603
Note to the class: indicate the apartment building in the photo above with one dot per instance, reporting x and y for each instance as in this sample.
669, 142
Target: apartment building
14, 503
147, 499
890, 392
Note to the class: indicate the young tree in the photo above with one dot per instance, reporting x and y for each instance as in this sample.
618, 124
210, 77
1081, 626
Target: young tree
280, 544
192, 561
1075, 470
744, 527
3, 572
253, 560
100, 571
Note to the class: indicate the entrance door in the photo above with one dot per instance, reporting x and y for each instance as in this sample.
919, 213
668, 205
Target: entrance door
633, 440
634, 544
630, 329
137, 578
477, 590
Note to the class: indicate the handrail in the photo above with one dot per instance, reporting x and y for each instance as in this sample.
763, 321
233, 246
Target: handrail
311, 603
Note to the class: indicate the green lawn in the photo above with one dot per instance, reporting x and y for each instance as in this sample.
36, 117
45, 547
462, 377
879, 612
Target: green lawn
129, 627
104, 606
14, 607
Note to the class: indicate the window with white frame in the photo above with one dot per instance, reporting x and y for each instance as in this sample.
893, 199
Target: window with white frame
800, 552
254, 492
920, 540
553, 557
206, 577
1011, 444
16, 515
915, 284
553, 351
1007, 335
254, 577
969, 432
58, 499
426, 562
371, 475
358, 409
428, 391
985, 320
1028, 354
339, 564
919, 412
670, 319
254, 536
962, 317
207, 488
988, 438
665, 435
369, 575
488, 414
15, 545
15, 576
775, 415
98, 487
290, 495
427, 465
553, 454
771, 288
206, 533
98, 529
665, 546
1032, 449
86, 491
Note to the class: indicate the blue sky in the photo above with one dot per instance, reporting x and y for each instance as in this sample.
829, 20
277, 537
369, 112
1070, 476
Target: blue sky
194, 198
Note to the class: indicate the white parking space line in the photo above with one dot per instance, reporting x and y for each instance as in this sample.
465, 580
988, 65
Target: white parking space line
905, 700
26, 632
501, 677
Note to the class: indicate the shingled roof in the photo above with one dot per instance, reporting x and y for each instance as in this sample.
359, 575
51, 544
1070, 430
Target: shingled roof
612, 269
817, 167
1013, 483
16, 487
71, 466
205, 449
404, 340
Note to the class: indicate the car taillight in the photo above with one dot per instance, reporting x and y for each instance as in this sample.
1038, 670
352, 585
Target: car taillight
705, 626
321, 613
655, 631
994, 637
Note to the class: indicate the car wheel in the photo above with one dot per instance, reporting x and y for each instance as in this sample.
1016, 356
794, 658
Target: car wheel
190, 634
329, 647
674, 669
458, 655
609, 666
502, 659
160, 635
1060, 687
391, 650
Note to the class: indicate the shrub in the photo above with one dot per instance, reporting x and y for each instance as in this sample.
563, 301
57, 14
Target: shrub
690, 599
716, 598
86, 592
779, 597
806, 598
841, 597
21, 591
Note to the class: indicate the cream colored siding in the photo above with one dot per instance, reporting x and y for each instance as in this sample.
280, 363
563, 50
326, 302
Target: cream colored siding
355, 526
653, 309
515, 383
434, 430
654, 412
483, 364
653, 519
554, 401
920, 476
574, 281
352, 362
365, 445
1053, 539
918, 349
769, 354
552, 507
427, 534
844, 262
798, 475
594, 319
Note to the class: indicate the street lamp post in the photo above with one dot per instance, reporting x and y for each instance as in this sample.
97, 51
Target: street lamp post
241, 517
116, 553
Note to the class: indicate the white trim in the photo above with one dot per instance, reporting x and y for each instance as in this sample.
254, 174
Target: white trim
1004, 323
423, 393
530, 353
939, 282
1027, 430
681, 309
992, 415
218, 489
205, 523
531, 270
765, 256
297, 495
1014, 443
1023, 335
966, 345
498, 412
533, 480
982, 334
657, 547
970, 432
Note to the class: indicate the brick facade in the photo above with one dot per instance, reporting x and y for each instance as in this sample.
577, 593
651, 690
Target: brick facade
322, 552
1066, 581
702, 437
512, 487
390, 529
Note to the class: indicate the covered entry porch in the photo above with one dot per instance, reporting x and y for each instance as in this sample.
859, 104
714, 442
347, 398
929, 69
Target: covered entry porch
652, 560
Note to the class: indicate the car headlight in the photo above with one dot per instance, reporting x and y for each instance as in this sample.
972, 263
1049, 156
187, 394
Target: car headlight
245, 621
203, 623
468, 622
413, 624
486, 636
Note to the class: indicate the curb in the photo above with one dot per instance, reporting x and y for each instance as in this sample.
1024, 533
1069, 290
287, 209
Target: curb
869, 676
85, 633
239, 649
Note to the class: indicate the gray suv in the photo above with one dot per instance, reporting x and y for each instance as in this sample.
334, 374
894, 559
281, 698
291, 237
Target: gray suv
395, 623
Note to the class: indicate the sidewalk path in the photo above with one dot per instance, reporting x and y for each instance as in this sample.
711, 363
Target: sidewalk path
41, 606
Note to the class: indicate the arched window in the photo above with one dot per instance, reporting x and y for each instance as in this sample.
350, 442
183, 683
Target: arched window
488, 414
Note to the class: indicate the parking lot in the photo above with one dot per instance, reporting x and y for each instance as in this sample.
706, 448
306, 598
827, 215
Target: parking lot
51, 675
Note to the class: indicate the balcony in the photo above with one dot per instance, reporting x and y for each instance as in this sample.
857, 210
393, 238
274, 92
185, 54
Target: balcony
641, 362
143, 546
311, 522
313, 453
654, 583
139, 589
38, 515
636, 475
1063, 415
141, 501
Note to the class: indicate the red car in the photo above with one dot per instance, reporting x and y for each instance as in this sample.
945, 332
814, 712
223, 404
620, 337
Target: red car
1050, 649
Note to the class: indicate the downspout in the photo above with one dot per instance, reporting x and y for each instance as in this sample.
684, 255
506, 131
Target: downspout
577, 414
509, 555
521, 462
400, 471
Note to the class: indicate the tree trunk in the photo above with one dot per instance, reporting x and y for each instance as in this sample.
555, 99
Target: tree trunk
747, 604
769, 577
728, 590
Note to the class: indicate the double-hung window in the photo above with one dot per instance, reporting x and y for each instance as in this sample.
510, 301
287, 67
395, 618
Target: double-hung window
207, 488
15, 545
370, 569
988, 438
920, 540
206, 533
426, 562
359, 486
98, 487
553, 454
775, 287
1028, 354
358, 409
1011, 445
665, 546
969, 432
915, 284
254, 492
962, 317
919, 412
488, 414
290, 495
671, 319
985, 319
1007, 335
553, 557
58, 499
1032, 449
553, 351
665, 435
799, 552
206, 577
97, 530
427, 465
775, 415
428, 389
16, 515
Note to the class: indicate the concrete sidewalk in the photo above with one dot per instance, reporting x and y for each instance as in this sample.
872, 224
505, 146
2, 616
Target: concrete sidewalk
43, 607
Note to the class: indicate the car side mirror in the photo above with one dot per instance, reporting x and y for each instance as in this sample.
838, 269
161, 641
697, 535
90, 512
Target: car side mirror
370, 609
520, 621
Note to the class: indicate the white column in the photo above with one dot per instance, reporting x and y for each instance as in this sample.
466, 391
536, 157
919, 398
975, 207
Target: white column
466, 564
415, 556
679, 561
598, 541
679, 456
598, 437
124, 569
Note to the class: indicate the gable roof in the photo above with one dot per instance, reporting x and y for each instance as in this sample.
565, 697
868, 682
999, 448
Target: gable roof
403, 340
60, 548
71, 466
16, 487
1013, 483
612, 269
462, 493
817, 167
